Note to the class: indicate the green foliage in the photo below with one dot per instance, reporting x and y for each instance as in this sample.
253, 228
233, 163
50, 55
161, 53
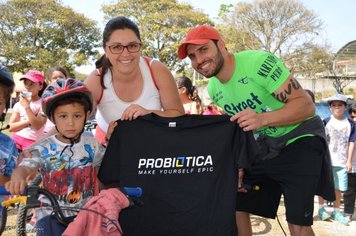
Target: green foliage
42, 33
163, 25
277, 26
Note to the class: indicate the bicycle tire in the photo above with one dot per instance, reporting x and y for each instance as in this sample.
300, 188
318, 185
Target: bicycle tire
3, 219
21, 218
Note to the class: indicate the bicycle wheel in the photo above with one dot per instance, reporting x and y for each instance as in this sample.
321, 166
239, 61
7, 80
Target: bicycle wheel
22, 210
3, 219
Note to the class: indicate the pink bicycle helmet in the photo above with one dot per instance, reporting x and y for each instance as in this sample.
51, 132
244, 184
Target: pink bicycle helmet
63, 88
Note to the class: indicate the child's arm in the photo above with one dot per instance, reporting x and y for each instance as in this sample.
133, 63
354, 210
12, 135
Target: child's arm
16, 124
19, 179
36, 119
351, 151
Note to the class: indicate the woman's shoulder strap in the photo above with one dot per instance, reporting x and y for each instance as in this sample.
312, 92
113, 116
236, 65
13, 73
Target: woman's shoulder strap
149, 63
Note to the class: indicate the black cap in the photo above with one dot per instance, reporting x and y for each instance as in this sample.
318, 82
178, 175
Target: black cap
6, 77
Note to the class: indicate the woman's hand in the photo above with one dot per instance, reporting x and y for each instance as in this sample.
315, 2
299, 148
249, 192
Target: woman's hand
134, 111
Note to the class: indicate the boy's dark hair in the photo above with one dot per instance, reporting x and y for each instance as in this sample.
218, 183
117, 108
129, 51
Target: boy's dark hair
75, 98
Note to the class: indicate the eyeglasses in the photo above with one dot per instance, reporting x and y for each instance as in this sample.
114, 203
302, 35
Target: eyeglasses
118, 48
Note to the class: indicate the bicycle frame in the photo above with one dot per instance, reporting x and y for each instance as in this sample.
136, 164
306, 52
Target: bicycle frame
30, 199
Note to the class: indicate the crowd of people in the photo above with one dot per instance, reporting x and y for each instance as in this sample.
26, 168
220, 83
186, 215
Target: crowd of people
299, 156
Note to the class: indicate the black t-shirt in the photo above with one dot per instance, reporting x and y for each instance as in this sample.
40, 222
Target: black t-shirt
187, 168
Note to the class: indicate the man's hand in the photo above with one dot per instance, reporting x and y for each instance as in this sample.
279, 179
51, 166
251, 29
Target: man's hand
248, 119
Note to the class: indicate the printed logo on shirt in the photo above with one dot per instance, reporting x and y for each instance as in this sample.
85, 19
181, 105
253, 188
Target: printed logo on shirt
251, 102
267, 66
175, 165
243, 80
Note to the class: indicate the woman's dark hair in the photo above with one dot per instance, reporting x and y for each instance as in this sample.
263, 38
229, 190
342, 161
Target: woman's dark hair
56, 68
118, 23
193, 95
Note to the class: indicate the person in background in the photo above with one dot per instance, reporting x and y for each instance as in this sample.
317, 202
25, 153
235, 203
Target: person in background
27, 121
189, 96
350, 193
127, 85
212, 109
259, 93
52, 74
341, 135
311, 94
56, 72
8, 150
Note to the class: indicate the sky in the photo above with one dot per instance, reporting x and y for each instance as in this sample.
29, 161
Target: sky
338, 17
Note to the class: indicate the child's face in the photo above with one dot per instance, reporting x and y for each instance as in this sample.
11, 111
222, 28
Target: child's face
70, 120
32, 87
353, 116
57, 75
337, 108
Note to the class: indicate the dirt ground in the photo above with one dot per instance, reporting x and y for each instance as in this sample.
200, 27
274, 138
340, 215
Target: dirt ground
261, 226
270, 227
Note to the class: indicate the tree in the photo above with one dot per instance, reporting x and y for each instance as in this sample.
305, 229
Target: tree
42, 33
163, 25
277, 26
311, 60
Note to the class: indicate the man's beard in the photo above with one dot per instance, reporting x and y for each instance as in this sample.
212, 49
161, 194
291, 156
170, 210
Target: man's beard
219, 60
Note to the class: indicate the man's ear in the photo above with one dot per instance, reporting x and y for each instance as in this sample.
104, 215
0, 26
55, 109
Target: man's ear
221, 45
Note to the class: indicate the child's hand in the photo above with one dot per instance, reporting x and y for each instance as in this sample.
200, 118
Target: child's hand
24, 102
16, 186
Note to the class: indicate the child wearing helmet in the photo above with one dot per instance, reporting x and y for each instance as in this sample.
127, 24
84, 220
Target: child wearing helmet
8, 150
26, 121
67, 160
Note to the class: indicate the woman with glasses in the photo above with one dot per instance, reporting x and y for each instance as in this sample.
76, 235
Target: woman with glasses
127, 85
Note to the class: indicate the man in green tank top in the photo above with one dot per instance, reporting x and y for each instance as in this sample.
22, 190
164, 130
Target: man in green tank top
259, 93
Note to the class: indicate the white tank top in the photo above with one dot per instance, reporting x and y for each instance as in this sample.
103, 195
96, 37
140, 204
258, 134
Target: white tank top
111, 107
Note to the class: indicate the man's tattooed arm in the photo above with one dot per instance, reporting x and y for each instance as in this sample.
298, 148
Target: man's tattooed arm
287, 90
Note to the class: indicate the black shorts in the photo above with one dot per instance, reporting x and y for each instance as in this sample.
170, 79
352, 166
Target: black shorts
295, 173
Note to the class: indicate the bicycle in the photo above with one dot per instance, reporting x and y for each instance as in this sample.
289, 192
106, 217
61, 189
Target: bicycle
31, 200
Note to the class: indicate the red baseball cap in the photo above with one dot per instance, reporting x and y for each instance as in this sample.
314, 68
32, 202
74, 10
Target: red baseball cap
34, 75
198, 36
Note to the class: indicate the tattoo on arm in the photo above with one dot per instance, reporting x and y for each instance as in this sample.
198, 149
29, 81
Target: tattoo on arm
292, 85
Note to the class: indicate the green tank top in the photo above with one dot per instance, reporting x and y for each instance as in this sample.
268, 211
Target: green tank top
257, 75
